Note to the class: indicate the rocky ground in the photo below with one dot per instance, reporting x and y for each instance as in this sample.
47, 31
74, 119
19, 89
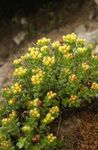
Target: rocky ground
78, 128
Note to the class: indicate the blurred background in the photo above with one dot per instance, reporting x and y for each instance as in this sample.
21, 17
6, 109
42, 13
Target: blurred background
22, 22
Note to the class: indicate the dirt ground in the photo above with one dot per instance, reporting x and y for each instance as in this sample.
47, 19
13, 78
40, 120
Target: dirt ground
77, 128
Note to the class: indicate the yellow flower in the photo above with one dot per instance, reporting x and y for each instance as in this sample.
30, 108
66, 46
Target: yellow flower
48, 61
5, 121
51, 95
17, 61
64, 49
34, 102
68, 55
35, 54
85, 66
16, 88
70, 38
48, 119
43, 41
73, 77
54, 109
11, 101
80, 41
20, 71
44, 48
5, 144
73, 98
12, 115
25, 128
38, 77
34, 113
81, 49
51, 138
26, 56
94, 86
30, 49
55, 44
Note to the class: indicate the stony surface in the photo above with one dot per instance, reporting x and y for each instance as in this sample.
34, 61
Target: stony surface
80, 29
19, 37
5, 74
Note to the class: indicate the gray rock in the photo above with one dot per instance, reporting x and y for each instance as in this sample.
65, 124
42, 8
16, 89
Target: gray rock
96, 1
19, 37
92, 15
91, 37
96, 49
80, 29
23, 21
5, 73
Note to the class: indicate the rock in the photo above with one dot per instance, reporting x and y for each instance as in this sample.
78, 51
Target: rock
19, 37
5, 72
96, 1
23, 21
91, 37
92, 15
96, 49
68, 131
80, 29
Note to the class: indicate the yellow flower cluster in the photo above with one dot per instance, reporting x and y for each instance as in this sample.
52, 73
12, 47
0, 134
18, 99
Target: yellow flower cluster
49, 118
17, 61
68, 55
80, 41
26, 56
48, 61
54, 109
35, 54
5, 144
70, 38
81, 49
51, 138
94, 86
51, 95
11, 101
20, 71
44, 48
6, 121
50, 115
43, 41
30, 49
73, 98
34, 113
85, 66
64, 49
55, 45
73, 77
34, 102
38, 77
25, 128
16, 88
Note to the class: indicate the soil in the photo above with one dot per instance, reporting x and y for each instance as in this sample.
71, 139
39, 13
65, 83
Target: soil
78, 128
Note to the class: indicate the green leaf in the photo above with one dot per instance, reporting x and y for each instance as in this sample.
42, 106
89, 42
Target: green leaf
21, 142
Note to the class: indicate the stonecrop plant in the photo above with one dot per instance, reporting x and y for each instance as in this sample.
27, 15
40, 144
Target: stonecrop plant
51, 76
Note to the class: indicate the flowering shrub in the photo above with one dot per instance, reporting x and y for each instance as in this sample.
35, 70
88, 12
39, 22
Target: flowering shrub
51, 76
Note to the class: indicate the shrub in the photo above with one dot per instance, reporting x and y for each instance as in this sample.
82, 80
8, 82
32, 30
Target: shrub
51, 76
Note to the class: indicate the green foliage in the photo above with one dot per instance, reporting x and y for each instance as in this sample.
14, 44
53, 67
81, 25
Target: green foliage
51, 76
